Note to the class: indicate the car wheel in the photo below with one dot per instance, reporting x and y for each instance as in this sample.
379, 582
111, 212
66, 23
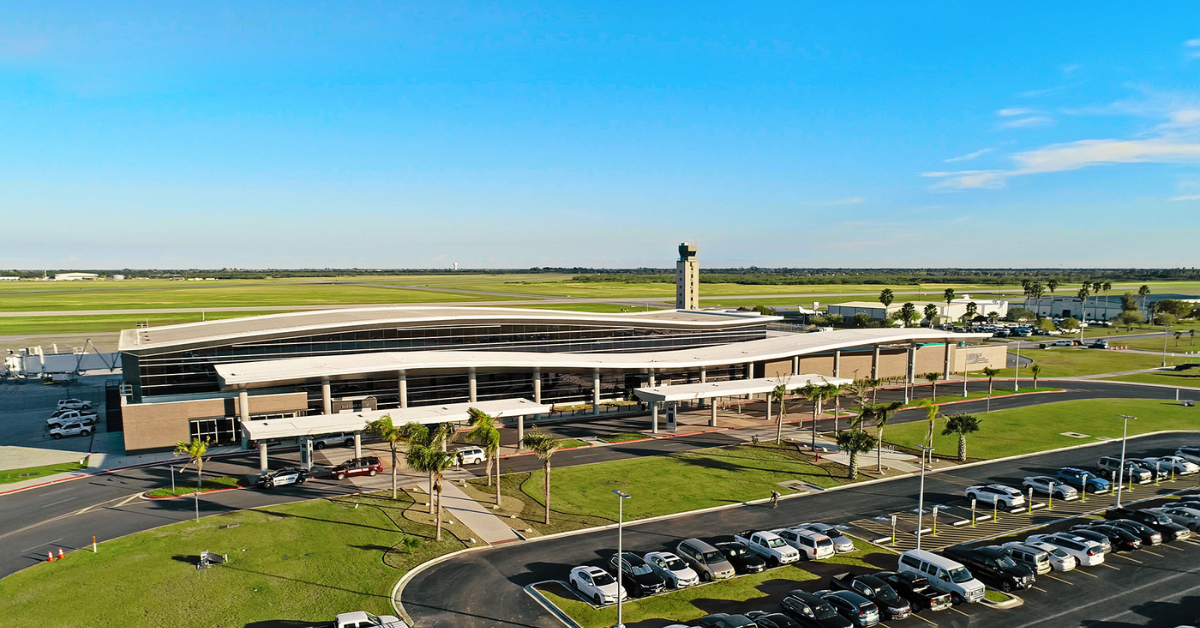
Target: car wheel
85, 407
1006, 587
372, 472
341, 476
349, 442
705, 576
773, 562
956, 599
301, 480
318, 445
85, 432
56, 436
599, 601
269, 484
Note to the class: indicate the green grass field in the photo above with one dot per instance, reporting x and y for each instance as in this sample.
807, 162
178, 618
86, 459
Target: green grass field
16, 325
183, 487
1072, 362
10, 476
1186, 379
295, 565
1038, 428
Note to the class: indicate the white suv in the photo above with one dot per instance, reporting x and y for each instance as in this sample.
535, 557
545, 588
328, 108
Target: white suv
1001, 495
672, 568
63, 417
74, 404
1086, 553
813, 545
472, 455
71, 429
597, 585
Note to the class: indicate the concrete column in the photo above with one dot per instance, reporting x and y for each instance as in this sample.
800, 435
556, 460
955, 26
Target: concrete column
768, 408
357, 445
537, 386
712, 418
652, 384
796, 365
837, 363
703, 379
875, 364
912, 359
244, 415
306, 453
326, 398
946, 373
749, 370
403, 389
262, 459
471, 385
595, 391
520, 430
653, 417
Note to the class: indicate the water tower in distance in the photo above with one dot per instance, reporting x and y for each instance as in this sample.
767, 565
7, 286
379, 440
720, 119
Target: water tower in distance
687, 278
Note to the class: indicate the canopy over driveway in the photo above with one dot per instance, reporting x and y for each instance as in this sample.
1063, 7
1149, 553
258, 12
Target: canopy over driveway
305, 427
729, 388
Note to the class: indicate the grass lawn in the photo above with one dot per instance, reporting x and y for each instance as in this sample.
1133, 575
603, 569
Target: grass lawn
1186, 379
623, 437
294, 564
11, 326
568, 443
9, 476
1038, 428
1000, 389
679, 482
1070, 362
211, 484
1183, 345
604, 308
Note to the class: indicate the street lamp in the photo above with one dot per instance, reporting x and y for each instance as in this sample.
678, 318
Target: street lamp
1166, 335
921, 495
1017, 371
620, 550
1121, 471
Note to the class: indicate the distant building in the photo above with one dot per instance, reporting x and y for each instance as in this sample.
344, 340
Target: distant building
8, 278
953, 312
687, 279
75, 276
118, 277
1097, 308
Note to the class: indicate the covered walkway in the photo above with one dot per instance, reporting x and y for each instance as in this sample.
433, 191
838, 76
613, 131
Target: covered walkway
673, 395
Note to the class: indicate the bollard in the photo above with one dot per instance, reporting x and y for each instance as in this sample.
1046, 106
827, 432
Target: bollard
995, 511
1157, 472
935, 509
1029, 504
94, 551
972, 513
1172, 472
893, 529
1083, 490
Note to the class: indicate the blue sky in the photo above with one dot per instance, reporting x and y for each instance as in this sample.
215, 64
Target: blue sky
517, 135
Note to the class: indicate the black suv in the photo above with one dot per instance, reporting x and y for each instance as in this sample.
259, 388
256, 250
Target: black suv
637, 576
994, 565
890, 604
1119, 539
743, 560
763, 619
725, 620
811, 610
1170, 530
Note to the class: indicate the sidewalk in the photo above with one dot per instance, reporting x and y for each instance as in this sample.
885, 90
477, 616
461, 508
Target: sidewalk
101, 463
490, 528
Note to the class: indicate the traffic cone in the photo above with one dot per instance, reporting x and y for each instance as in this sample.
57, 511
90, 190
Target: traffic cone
60, 554
49, 556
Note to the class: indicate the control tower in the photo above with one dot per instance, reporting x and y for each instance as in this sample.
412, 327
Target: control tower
687, 278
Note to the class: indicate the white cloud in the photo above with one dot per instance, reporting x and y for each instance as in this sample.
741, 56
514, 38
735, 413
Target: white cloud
1041, 92
1192, 43
1194, 46
1028, 121
969, 156
1186, 197
1014, 111
850, 200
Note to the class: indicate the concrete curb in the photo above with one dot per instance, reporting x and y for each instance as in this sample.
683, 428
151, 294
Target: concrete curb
1011, 603
146, 495
103, 471
552, 608
398, 589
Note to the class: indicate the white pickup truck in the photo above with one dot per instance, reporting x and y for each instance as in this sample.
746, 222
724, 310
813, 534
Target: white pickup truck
74, 404
63, 417
359, 619
773, 549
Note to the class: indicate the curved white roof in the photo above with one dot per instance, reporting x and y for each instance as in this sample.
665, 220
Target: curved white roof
297, 370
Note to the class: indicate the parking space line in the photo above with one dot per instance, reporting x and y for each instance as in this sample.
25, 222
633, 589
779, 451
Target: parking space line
1127, 558
1030, 586
1170, 547
960, 612
1146, 551
1110, 566
1060, 579
920, 618
1090, 575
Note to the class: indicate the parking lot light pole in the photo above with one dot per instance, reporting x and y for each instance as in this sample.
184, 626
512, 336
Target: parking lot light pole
621, 497
1121, 470
921, 496
1166, 334
1017, 370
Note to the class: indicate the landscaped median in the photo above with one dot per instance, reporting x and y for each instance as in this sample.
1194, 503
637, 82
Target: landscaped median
12, 476
207, 486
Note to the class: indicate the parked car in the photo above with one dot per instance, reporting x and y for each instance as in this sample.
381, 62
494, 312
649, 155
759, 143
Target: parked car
1191, 454
286, 475
1152, 517
763, 619
705, 559
1043, 484
676, 572
1077, 477
916, 590
1189, 517
880, 593
367, 465
725, 620
1034, 559
1091, 535
361, 619
63, 417
1057, 558
1056, 343
742, 559
773, 549
637, 576
841, 542
1157, 469
944, 574
74, 404
858, 609
812, 545
809, 609
1180, 465
1118, 539
999, 494
1086, 553
74, 428
1099, 344
333, 440
596, 584
1111, 466
1149, 535
472, 455
995, 565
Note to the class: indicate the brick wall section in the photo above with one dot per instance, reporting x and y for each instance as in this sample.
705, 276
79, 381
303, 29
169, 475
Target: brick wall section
158, 426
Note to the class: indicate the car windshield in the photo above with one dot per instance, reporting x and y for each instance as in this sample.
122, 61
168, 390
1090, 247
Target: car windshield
602, 578
734, 550
713, 557
674, 564
640, 570
775, 543
824, 610
1006, 562
960, 575
887, 594
1057, 552
832, 533
825, 543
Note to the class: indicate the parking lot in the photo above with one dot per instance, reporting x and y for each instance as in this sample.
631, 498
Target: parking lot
25, 406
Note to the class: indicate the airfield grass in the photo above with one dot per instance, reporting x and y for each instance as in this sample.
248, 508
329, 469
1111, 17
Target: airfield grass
9, 476
16, 325
1073, 362
294, 564
1185, 379
1184, 344
1038, 428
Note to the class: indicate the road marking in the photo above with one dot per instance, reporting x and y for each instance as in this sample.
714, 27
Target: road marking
1127, 558
924, 620
41, 544
1030, 586
1060, 579
1110, 566
1146, 551
1170, 547
960, 612
61, 501
127, 500
1090, 575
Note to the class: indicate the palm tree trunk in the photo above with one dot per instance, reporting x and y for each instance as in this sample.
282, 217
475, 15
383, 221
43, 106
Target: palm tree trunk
199, 473
878, 450
393, 471
962, 447
837, 409
438, 516
779, 428
431, 493
547, 496
934, 397
497, 459
853, 465
488, 471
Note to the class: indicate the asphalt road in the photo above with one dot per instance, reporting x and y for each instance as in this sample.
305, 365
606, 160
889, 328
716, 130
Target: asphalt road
1158, 592
68, 514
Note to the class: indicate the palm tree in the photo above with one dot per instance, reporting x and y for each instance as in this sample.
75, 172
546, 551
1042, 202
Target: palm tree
930, 311
948, 297
908, 314
779, 393
838, 391
886, 297
961, 424
1035, 291
972, 310
194, 451
1144, 292
430, 459
1025, 283
1097, 286
992, 317
544, 445
876, 383
1035, 369
1083, 295
991, 374
1052, 285
882, 413
855, 442
383, 429
932, 377
931, 414
485, 432
420, 438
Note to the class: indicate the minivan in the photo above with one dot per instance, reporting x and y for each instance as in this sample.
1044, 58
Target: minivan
705, 559
943, 574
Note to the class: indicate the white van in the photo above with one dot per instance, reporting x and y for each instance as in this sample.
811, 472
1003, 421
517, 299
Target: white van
943, 574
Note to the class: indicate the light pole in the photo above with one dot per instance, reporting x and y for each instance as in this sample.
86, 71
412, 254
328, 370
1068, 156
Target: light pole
1166, 334
1121, 471
921, 496
621, 497
1017, 371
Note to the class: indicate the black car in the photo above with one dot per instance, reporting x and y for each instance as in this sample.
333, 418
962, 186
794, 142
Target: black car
1083, 532
811, 610
858, 609
743, 560
725, 620
764, 619
637, 576
1121, 540
1170, 530
994, 565
890, 604
916, 590
284, 476
1149, 535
